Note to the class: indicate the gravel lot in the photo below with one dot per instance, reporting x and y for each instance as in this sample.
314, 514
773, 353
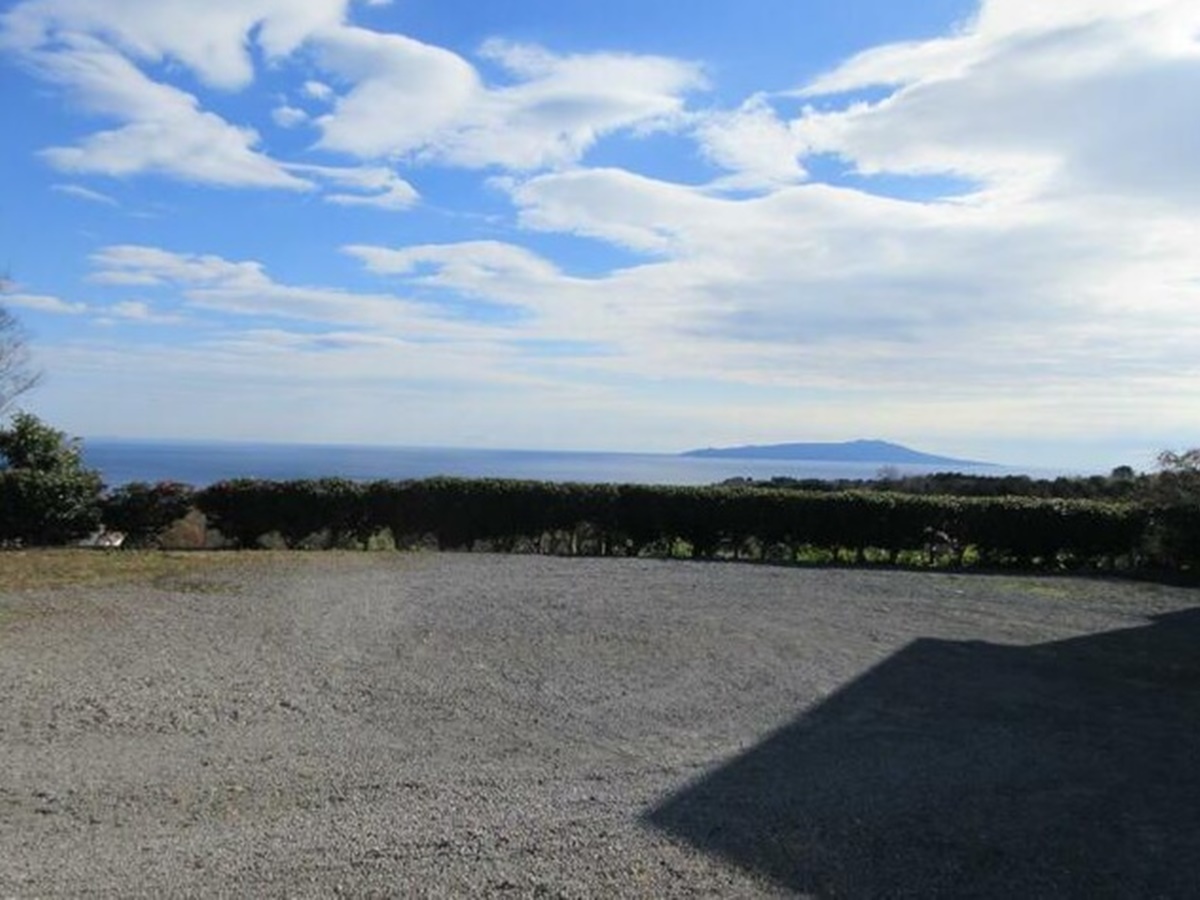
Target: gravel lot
431, 725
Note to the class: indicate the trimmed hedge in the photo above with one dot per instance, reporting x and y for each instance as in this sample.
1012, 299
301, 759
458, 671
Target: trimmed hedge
708, 522
143, 511
245, 510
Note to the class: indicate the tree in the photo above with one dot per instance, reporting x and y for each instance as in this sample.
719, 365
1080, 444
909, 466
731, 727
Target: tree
16, 371
47, 494
1174, 496
31, 444
1178, 479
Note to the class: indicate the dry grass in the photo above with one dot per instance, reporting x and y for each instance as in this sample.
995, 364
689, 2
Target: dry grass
46, 568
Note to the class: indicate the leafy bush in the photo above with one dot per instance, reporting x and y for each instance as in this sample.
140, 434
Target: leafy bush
47, 496
245, 510
1173, 537
143, 511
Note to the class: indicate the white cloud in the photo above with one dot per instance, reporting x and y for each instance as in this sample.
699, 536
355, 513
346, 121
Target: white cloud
97, 51
1071, 276
317, 90
1039, 99
405, 99
754, 144
398, 197
141, 311
411, 99
611, 204
468, 264
288, 116
375, 186
244, 288
210, 38
75, 190
600, 316
44, 303
561, 105
166, 131
131, 264
832, 292
404, 93
948, 379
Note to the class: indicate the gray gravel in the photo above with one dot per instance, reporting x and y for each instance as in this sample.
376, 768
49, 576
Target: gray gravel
431, 725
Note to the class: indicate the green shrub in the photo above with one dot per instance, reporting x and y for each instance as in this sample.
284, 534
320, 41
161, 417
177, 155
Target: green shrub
1172, 537
47, 496
246, 509
143, 511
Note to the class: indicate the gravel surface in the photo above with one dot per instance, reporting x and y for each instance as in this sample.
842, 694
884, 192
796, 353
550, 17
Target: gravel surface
479, 725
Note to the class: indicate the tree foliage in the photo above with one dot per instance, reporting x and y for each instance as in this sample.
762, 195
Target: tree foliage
47, 494
1178, 478
28, 443
1174, 502
142, 512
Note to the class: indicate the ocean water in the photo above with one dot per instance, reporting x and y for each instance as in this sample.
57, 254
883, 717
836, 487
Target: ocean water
200, 463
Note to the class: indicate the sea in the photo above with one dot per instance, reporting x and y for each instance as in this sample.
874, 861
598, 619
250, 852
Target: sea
200, 463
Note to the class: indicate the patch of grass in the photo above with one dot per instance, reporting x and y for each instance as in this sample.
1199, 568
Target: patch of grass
191, 571
52, 568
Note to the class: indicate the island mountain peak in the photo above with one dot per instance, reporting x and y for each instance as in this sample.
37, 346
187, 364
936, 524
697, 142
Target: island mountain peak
857, 451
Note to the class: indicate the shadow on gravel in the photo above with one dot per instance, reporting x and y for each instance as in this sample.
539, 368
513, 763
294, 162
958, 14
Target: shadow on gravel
976, 770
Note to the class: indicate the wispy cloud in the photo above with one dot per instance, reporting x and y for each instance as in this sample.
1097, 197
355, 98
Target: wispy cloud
141, 311
245, 289
376, 186
82, 193
44, 303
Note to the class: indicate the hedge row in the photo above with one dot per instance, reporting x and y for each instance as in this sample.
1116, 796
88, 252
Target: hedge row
701, 522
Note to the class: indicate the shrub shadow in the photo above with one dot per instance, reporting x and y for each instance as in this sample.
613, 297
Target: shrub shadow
969, 769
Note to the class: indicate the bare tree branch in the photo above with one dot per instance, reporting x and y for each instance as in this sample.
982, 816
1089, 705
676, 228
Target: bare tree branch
17, 374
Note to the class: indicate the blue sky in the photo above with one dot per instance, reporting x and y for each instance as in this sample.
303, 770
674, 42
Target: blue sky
970, 227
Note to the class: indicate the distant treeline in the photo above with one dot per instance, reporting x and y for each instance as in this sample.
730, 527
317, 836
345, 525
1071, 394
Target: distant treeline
1122, 484
783, 525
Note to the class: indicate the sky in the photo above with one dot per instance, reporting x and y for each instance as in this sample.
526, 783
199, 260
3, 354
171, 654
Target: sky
969, 227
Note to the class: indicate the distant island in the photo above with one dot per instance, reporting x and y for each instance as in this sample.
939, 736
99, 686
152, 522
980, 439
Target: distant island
880, 452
